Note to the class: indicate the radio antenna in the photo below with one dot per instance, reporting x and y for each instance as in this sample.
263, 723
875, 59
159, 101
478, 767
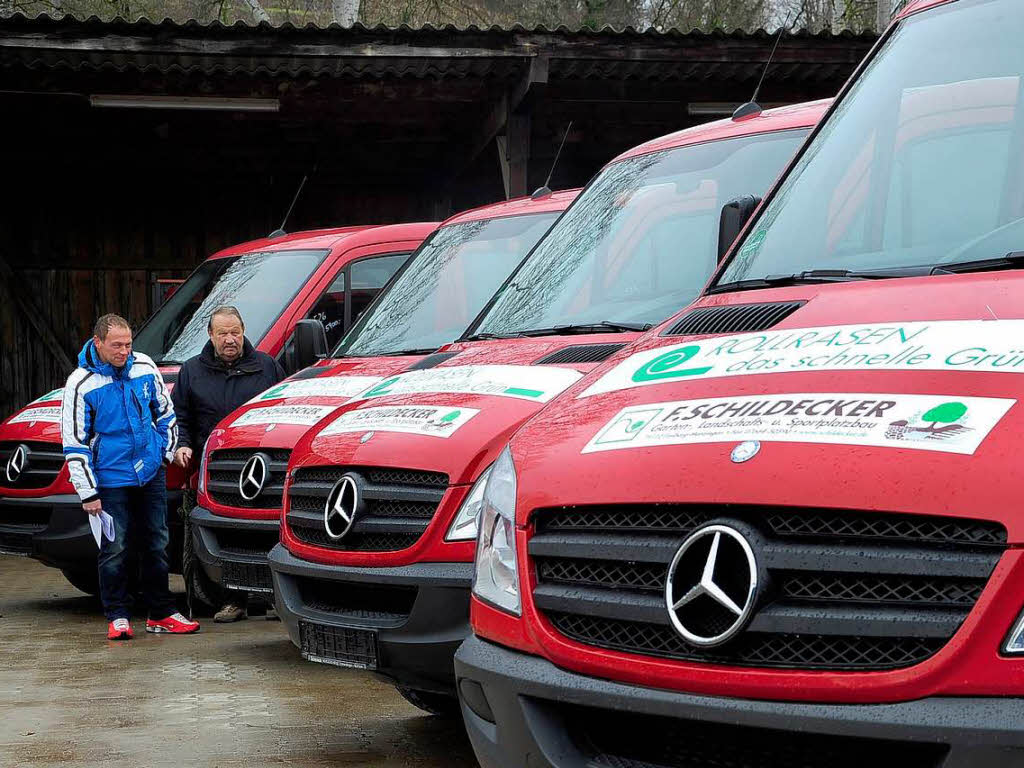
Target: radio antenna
546, 189
752, 107
280, 231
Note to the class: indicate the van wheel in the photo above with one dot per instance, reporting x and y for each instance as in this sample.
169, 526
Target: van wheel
439, 704
87, 581
206, 595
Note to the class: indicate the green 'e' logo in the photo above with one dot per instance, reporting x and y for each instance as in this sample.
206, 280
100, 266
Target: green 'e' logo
667, 366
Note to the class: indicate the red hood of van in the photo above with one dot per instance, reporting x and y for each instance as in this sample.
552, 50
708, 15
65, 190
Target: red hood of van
902, 398
491, 387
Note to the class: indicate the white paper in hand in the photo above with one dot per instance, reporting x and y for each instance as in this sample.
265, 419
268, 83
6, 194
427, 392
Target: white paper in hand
101, 525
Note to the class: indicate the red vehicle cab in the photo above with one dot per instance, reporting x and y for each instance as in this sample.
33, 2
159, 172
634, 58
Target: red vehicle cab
380, 506
431, 301
330, 275
782, 528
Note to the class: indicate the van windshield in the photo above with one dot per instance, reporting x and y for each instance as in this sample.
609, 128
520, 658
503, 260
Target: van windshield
444, 286
259, 285
920, 170
641, 241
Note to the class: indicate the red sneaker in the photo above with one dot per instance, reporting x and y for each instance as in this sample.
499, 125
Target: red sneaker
175, 624
119, 629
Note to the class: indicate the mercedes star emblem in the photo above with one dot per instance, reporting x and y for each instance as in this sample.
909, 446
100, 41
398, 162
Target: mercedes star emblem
341, 507
253, 476
712, 585
745, 451
17, 463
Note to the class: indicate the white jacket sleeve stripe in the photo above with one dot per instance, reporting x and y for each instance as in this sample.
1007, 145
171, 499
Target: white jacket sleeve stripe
75, 430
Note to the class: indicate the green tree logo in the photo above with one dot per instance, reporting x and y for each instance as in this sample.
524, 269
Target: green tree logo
947, 413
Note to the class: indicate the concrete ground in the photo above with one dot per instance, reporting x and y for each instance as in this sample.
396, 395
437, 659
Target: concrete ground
233, 696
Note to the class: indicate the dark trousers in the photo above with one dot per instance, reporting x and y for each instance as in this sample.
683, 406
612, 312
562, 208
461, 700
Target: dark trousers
140, 524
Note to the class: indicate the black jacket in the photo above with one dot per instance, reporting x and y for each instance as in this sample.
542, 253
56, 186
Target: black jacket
208, 390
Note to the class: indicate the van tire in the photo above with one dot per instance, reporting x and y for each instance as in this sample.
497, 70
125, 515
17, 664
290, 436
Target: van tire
204, 595
439, 704
87, 580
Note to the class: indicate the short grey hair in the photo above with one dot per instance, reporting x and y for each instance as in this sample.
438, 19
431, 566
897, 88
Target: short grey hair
106, 322
225, 309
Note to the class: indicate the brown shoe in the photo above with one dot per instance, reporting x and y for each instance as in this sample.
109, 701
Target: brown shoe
230, 613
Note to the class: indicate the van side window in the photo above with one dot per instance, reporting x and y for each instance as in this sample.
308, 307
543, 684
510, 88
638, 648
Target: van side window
330, 308
351, 292
368, 277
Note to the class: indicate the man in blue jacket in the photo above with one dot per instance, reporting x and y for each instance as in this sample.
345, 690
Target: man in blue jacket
118, 429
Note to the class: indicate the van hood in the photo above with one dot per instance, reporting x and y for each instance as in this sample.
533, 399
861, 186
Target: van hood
456, 416
895, 395
279, 416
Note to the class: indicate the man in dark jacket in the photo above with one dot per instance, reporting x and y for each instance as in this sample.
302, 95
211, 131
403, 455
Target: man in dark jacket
226, 374
118, 430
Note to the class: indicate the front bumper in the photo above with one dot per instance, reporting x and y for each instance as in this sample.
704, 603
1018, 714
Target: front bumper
405, 622
521, 710
55, 530
230, 552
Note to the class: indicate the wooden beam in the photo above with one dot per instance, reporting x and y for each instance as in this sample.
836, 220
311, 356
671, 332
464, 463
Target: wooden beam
35, 318
518, 148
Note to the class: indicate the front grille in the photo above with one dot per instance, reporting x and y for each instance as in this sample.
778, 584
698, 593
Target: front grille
616, 739
397, 506
341, 646
245, 543
252, 577
844, 590
225, 467
43, 463
743, 318
384, 603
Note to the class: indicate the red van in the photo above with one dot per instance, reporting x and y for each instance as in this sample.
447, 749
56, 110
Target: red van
327, 275
381, 502
780, 529
432, 300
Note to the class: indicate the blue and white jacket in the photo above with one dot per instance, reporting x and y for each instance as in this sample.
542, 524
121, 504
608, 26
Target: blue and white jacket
117, 424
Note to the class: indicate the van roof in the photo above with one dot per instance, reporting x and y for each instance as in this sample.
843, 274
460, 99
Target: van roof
804, 115
517, 206
919, 5
329, 238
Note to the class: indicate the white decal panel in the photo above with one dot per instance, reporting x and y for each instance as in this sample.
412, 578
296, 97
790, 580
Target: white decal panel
431, 420
283, 414
523, 382
50, 415
947, 423
341, 387
995, 346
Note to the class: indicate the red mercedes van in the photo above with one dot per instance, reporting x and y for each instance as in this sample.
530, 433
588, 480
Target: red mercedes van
327, 275
382, 498
435, 297
780, 529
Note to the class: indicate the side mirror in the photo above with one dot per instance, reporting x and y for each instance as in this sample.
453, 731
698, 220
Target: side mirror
309, 344
735, 214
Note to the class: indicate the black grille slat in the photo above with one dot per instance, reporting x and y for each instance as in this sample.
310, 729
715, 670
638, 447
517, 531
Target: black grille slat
224, 467
44, 464
845, 589
744, 318
400, 503
758, 650
580, 353
246, 543
388, 603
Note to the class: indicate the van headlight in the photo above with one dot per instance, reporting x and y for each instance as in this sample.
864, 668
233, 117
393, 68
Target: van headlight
1014, 644
495, 577
464, 526
202, 469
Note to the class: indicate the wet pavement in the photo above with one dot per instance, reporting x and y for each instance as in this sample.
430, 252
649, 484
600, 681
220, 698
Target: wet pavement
234, 695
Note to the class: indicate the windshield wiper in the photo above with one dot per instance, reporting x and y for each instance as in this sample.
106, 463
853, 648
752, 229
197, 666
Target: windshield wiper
812, 277
487, 336
1012, 260
402, 352
605, 326
168, 362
